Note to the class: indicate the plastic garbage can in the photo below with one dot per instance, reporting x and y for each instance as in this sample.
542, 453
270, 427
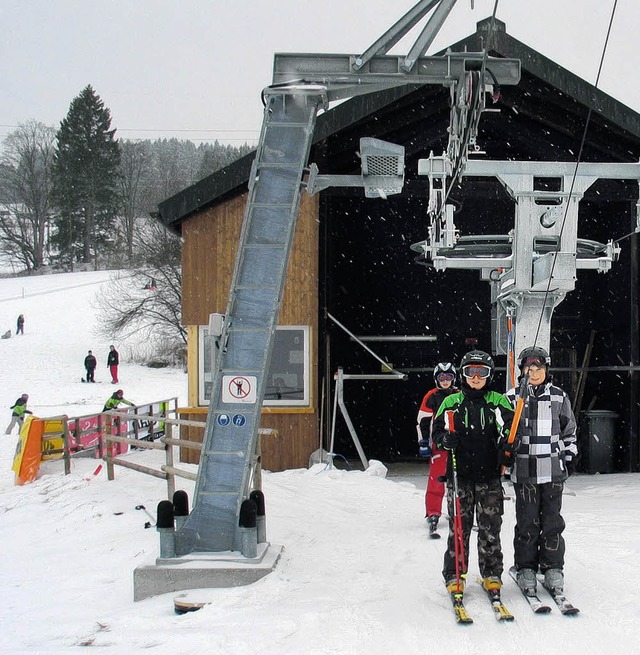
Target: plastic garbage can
596, 443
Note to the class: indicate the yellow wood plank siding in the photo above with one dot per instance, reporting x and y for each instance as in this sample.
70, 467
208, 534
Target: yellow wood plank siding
209, 251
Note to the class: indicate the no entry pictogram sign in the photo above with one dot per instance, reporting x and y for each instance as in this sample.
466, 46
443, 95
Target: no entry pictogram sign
239, 388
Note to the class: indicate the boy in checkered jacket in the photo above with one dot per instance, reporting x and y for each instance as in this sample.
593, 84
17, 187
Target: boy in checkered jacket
544, 459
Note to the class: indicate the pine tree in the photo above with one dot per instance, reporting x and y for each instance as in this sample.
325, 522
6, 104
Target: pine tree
85, 179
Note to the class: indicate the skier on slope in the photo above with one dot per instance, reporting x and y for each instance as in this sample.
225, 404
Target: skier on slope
542, 462
444, 375
113, 360
115, 399
481, 421
19, 410
90, 364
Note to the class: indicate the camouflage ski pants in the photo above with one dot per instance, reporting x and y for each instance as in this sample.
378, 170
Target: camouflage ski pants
485, 500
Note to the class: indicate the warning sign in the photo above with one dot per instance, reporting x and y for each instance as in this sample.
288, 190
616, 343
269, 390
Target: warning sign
239, 389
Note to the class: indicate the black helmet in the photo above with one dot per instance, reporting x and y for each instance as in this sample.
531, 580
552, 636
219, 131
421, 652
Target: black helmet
444, 367
481, 358
534, 353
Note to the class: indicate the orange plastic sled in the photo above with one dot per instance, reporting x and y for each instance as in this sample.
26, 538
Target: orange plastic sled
26, 462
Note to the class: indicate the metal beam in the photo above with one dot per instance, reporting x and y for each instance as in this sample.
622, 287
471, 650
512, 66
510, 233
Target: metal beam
339, 74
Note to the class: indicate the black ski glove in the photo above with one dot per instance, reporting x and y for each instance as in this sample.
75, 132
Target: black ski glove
507, 452
450, 441
424, 448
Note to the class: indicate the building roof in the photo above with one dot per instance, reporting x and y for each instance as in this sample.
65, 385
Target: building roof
551, 92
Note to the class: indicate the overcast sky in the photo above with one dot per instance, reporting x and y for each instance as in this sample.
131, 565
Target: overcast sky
194, 69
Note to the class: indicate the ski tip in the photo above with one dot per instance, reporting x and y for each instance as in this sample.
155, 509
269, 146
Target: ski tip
543, 609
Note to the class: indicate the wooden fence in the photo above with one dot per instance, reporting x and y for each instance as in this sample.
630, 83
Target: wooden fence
105, 433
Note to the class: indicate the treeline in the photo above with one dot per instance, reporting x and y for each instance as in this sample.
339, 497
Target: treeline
80, 196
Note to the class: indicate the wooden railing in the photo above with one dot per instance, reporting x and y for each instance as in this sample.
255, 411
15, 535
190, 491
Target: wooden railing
108, 429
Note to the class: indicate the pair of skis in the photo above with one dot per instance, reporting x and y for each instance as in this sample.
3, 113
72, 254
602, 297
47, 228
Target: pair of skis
538, 606
503, 614
499, 609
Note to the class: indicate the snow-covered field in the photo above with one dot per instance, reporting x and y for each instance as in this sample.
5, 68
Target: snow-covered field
358, 574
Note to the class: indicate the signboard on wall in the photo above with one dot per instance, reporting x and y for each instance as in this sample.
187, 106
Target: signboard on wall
287, 382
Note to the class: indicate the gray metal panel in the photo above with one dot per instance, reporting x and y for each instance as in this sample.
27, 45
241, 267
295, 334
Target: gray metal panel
340, 69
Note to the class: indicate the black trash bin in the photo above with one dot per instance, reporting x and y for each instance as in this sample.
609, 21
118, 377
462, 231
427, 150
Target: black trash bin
597, 432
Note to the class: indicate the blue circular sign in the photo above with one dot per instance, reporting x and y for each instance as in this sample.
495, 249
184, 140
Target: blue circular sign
239, 420
223, 419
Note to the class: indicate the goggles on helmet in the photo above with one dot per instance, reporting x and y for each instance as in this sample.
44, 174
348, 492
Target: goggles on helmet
445, 377
534, 361
471, 370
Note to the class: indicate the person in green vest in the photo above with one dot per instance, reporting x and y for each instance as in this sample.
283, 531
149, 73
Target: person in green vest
19, 410
115, 399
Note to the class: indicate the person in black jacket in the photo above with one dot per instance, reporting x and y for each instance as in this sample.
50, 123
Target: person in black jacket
20, 325
473, 425
90, 364
113, 359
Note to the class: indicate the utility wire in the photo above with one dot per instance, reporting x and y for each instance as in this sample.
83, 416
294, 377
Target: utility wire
575, 172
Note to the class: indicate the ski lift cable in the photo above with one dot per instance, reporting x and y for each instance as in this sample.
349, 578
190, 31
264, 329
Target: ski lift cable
575, 172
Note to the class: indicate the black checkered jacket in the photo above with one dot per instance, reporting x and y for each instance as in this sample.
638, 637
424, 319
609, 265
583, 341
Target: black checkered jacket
547, 431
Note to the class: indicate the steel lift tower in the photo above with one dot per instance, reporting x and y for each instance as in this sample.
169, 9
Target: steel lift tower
532, 268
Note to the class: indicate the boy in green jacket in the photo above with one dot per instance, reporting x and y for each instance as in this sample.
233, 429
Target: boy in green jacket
474, 424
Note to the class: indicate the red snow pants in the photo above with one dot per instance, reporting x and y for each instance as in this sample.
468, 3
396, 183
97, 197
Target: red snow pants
435, 490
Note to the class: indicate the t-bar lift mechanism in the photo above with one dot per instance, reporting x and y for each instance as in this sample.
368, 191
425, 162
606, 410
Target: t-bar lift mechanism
302, 84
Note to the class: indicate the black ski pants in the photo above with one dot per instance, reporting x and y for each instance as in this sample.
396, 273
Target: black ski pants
485, 500
538, 542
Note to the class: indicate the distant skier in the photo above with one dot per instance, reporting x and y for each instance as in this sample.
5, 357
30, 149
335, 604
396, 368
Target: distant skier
19, 410
90, 364
20, 325
114, 400
113, 359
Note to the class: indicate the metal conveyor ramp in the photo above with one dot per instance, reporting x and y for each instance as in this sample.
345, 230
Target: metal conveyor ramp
250, 321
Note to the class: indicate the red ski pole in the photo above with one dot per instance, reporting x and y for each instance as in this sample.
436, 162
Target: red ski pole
458, 534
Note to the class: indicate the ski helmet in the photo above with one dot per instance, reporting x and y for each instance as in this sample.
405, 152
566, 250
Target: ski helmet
478, 358
534, 355
25, 396
120, 392
444, 367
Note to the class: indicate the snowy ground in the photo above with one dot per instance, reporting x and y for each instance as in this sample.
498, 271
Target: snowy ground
358, 574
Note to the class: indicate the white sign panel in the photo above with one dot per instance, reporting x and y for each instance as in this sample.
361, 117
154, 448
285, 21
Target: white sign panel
239, 389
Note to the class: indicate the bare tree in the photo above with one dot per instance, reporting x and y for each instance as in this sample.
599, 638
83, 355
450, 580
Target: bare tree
27, 163
135, 165
147, 300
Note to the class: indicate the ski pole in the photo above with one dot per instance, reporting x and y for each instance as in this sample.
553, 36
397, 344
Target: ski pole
458, 535
146, 511
517, 414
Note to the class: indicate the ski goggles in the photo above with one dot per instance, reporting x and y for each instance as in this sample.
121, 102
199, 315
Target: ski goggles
480, 370
445, 377
534, 361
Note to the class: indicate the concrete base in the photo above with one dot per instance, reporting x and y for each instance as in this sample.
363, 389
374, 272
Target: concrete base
200, 570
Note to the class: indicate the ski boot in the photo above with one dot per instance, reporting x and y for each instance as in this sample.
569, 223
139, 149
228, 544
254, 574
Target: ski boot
432, 523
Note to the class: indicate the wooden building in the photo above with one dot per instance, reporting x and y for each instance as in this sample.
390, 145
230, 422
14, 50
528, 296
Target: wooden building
352, 260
